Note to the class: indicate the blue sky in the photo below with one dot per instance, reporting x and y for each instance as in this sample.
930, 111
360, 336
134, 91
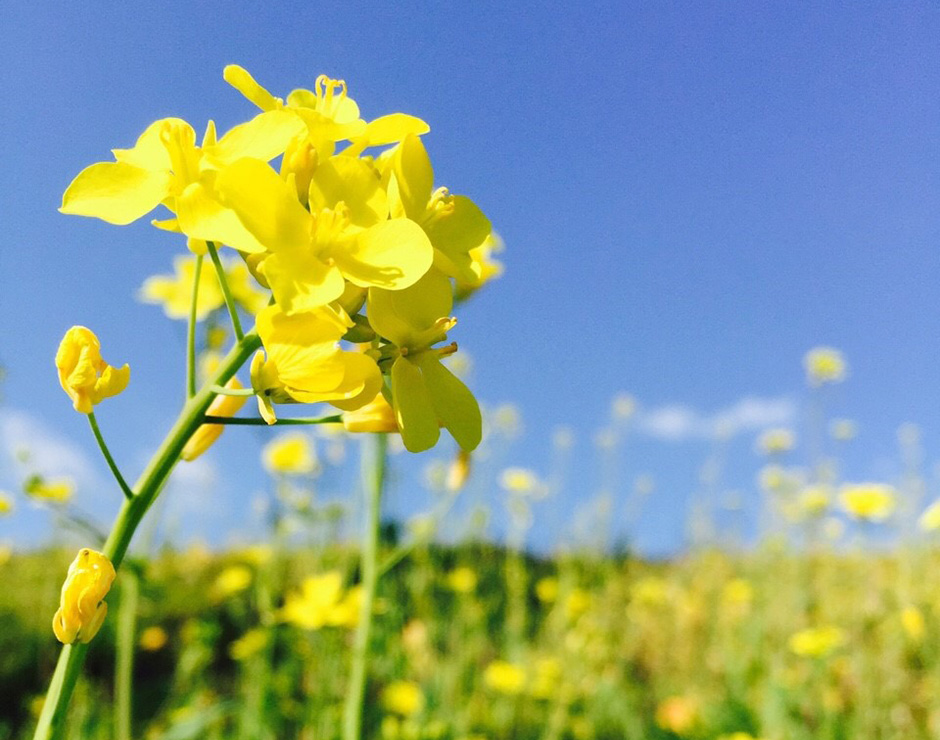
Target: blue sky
691, 197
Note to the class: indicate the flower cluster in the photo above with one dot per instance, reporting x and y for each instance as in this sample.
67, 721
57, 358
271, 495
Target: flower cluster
349, 234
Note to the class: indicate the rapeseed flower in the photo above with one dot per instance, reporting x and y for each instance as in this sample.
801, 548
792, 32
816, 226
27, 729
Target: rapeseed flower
249, 644
206, 435
6, 503
81, 607
403, 697
375, 416
56, 491
462, 580
153, 638
930, 520
817, 642
322, 602
232, 580
84, 376
289, 454
504, 677
913, 622
824, 365
678, 714
776, 441
873, 502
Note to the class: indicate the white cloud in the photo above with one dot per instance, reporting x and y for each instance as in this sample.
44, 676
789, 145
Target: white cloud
680, 423
46, 452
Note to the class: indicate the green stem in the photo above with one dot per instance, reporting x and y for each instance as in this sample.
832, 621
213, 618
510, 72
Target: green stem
248, 422
226, 291
191, 332
125, 489
124, 655
373, 477
148, 487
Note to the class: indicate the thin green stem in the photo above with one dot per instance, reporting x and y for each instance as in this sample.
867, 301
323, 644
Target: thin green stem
222, 391
148, 487
191, 332
226, 291
249, 422
124, 655
374, 459
125, 489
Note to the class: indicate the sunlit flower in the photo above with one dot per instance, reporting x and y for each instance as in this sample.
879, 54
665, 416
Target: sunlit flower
824, 365
873, 502
912, 620
56, 491
930, 520
322, 602
678, 714
81, 607
813, 501
84, 376
206, 435
289, 454
232, 580
737, 593
522, 481
504, 677
775, 441
546, 589
6, 503
153, 638
817, 642
650, 591
403, 697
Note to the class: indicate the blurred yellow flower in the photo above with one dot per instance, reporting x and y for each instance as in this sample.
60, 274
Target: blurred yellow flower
824, 365
737, 593
521, 481
206, 435
57, 490
321, 602
546, 677
843, 430
463, 580
153, 638
650, 591
930, 520
776, 441
912, 620
232, 580
6, 503
83, 375
289, 454
547, 589
577, 603
817, 642
81, 606
174, 292
403, 697
873, 502
250, 643
678, 714
504, 677
813, 501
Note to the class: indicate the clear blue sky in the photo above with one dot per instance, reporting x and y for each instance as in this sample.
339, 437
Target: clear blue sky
692, 195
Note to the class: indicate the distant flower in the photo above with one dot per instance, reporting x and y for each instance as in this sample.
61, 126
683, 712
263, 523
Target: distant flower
250, 643
547, 589
873, 502
824, 365
463, 580
547, 673
813, 501
56, 491
912, 620
403, 697
817, 642
232, 580
6, 503
678, 714
522, 481
322, 602
623, 406
775, 441
153, 639
504, 677
289, 454
737, 593
843, 430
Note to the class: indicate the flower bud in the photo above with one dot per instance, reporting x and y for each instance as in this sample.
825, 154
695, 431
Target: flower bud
85, 377
81, 608
206, 435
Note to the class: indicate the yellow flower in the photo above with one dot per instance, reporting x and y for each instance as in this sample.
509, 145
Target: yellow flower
232, 580
522, 481
346, 234
546, 677
817, 642
547, 589
843, 430
82, 608
458, 471
153, 639
6, 503
776, 441
289, 454
165, 166
482, 265
403, 697
650, 591
463, 580
873, 502
57, 490
737, 593
504, 677
322, 603
813, 501
84, 376
577, 603
174, 292
930, 520
251, 643
912, 619
375, 416
206, 435
824, 365
678, 714
305, 364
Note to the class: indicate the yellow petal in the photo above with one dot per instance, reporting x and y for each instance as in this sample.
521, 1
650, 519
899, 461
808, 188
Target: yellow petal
264, 137
414, 176
414, 410
393, 254
116, 192
353, 182
201, 216
456, 233
241, 80
453, 402
401, 315
265, 204
393, 128
302, 347
361, 382
301, 282
150, 152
